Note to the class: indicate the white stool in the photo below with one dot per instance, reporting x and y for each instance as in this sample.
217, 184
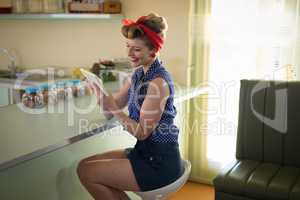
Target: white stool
164, 192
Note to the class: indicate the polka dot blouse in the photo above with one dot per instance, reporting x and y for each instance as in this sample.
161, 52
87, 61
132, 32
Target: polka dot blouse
165, 131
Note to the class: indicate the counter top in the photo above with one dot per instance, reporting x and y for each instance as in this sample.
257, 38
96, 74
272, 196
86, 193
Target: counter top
22, 84
11, 83
27, 134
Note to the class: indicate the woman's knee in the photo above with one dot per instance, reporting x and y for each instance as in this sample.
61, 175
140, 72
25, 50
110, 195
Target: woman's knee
81, 170
86, 172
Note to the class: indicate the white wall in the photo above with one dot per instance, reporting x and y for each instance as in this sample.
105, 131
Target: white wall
82, 42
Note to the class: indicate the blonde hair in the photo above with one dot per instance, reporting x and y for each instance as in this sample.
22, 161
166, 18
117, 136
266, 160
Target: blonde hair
154, 22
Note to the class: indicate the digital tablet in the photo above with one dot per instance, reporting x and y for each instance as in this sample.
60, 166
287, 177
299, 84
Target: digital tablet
92, 78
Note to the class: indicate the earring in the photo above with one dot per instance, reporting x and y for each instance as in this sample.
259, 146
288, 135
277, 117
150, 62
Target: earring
152, 55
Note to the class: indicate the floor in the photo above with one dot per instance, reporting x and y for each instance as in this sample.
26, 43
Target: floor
194, 191
189, 191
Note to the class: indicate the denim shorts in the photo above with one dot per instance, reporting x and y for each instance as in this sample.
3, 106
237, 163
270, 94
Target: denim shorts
155, 164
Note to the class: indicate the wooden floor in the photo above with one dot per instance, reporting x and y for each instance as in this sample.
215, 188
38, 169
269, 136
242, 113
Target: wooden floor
190, 191
194, 191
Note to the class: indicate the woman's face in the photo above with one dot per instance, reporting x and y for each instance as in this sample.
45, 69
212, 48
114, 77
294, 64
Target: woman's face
138, 53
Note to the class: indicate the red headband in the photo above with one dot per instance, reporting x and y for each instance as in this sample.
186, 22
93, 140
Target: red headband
154, 38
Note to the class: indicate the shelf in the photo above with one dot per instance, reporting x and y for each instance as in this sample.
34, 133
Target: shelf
60, 16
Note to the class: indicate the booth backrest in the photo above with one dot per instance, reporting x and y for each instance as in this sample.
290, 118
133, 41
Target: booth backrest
269, 122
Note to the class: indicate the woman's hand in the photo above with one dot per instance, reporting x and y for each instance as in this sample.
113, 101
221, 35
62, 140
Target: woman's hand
108, 103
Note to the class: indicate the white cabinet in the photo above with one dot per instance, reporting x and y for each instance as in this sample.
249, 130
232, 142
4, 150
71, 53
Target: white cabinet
4, 96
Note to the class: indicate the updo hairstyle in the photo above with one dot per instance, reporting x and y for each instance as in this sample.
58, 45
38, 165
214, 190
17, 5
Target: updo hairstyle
153, 21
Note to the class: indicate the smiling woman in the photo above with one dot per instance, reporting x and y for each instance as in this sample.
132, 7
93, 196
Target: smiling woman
155, 160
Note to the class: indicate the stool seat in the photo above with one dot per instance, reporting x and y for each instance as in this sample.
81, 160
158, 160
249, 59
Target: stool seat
164, 192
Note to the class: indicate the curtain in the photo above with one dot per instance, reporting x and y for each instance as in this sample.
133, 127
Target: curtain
232, 40
195, 140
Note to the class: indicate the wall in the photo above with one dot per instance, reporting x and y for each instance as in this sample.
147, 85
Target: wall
82, 42
5, 3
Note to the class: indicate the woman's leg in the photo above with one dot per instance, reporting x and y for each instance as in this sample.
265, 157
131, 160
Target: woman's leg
105, 192
106, 178
114, 154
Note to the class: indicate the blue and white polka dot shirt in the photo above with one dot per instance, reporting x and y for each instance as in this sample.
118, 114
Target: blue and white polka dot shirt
165, 131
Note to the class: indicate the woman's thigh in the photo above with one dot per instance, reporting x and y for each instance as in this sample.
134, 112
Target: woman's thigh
115, 173
114, 154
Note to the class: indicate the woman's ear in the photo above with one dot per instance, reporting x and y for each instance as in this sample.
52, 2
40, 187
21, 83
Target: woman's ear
152, 54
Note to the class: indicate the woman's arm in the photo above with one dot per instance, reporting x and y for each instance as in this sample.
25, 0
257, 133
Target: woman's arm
151, 110
121, 98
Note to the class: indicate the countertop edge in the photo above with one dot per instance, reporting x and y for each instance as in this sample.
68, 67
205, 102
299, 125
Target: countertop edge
40, 152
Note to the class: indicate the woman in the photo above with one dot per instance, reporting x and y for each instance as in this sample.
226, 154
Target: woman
155, 160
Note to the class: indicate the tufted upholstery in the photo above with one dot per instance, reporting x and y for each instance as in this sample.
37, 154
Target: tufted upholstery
267, 162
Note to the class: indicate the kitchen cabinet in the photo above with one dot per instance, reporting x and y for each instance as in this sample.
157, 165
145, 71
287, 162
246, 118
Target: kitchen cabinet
4, 96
